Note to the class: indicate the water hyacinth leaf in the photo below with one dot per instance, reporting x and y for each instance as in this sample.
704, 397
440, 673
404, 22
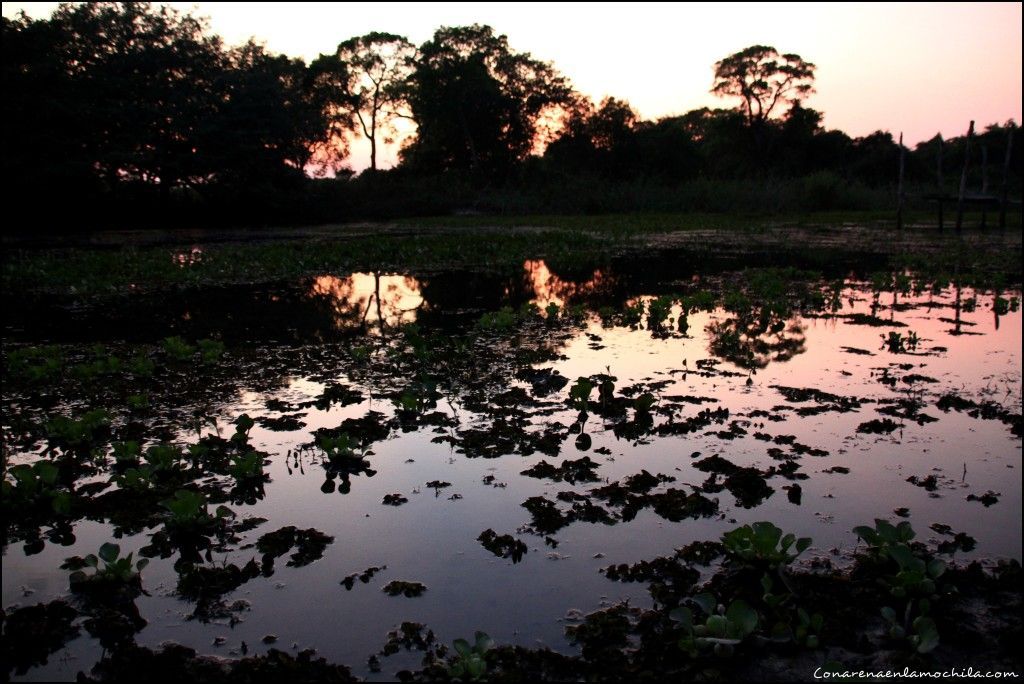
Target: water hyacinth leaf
766, 537
742, 615
109, 552
927, 634
477, 667
47, 472
867, 534
886, 530
185, 504
484, 642
936, 567
904, 531
61, 503
718, 626
23, 474
462, 647
126, 451
904, 557
706, 601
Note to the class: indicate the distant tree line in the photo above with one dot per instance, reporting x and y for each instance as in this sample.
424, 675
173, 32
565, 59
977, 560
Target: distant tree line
119, 112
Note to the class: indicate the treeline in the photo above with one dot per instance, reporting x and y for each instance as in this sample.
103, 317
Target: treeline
131, 113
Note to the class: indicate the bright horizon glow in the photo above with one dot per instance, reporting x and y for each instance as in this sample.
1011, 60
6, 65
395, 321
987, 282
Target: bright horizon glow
919, 69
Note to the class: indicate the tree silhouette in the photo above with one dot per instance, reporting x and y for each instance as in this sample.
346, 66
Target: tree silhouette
271, 116
762, 79
476, 102
597, 140
378, 65
141, 79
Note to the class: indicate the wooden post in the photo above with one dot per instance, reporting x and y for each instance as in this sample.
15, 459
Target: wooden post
984, 183
963, 179
899, 189
958, 307
1005, 183
938, 180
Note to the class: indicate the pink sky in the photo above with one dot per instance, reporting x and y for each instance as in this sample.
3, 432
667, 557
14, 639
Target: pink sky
915, 68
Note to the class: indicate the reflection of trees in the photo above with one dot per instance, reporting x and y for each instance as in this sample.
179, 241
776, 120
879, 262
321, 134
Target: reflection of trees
755, 342
370, 300
549, 288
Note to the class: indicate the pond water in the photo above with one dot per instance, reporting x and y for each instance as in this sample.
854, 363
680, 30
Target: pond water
817, 417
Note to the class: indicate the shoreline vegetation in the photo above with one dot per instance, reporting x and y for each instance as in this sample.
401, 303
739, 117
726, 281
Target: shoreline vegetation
112, 262
136, 115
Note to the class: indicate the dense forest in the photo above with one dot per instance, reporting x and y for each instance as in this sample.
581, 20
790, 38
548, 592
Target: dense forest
121, 113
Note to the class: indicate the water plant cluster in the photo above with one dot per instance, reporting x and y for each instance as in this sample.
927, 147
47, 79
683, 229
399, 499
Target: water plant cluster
140, 439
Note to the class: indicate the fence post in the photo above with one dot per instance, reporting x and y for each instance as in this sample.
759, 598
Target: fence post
984, 183
1005, 184
938, 181
899, 189
963, 179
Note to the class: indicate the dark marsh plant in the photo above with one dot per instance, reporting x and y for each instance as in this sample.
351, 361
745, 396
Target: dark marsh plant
470, 664
110, 569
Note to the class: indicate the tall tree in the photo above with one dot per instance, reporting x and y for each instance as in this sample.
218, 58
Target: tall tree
597, 140
142, 78
44, 133
378, 65
477, 103
119, 103
273, 114
763, 79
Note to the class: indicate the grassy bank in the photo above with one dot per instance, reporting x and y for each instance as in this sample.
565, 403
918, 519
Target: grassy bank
126, 261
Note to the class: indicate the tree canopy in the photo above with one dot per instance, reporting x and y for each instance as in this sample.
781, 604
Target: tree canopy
476, 102
133, 95
378, 67
129, 106
763, 80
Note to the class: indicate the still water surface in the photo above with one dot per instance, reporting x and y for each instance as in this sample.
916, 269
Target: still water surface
974, 354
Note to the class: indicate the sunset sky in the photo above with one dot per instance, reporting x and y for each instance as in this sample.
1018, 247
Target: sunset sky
915, 68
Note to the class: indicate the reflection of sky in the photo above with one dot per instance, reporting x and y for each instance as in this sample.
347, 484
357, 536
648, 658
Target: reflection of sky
548, 288
433, 539
369, 299
188, 257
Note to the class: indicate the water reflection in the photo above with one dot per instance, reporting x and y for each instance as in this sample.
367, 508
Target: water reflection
371, 300
753, 345
549, 288
187, 257
658, 402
